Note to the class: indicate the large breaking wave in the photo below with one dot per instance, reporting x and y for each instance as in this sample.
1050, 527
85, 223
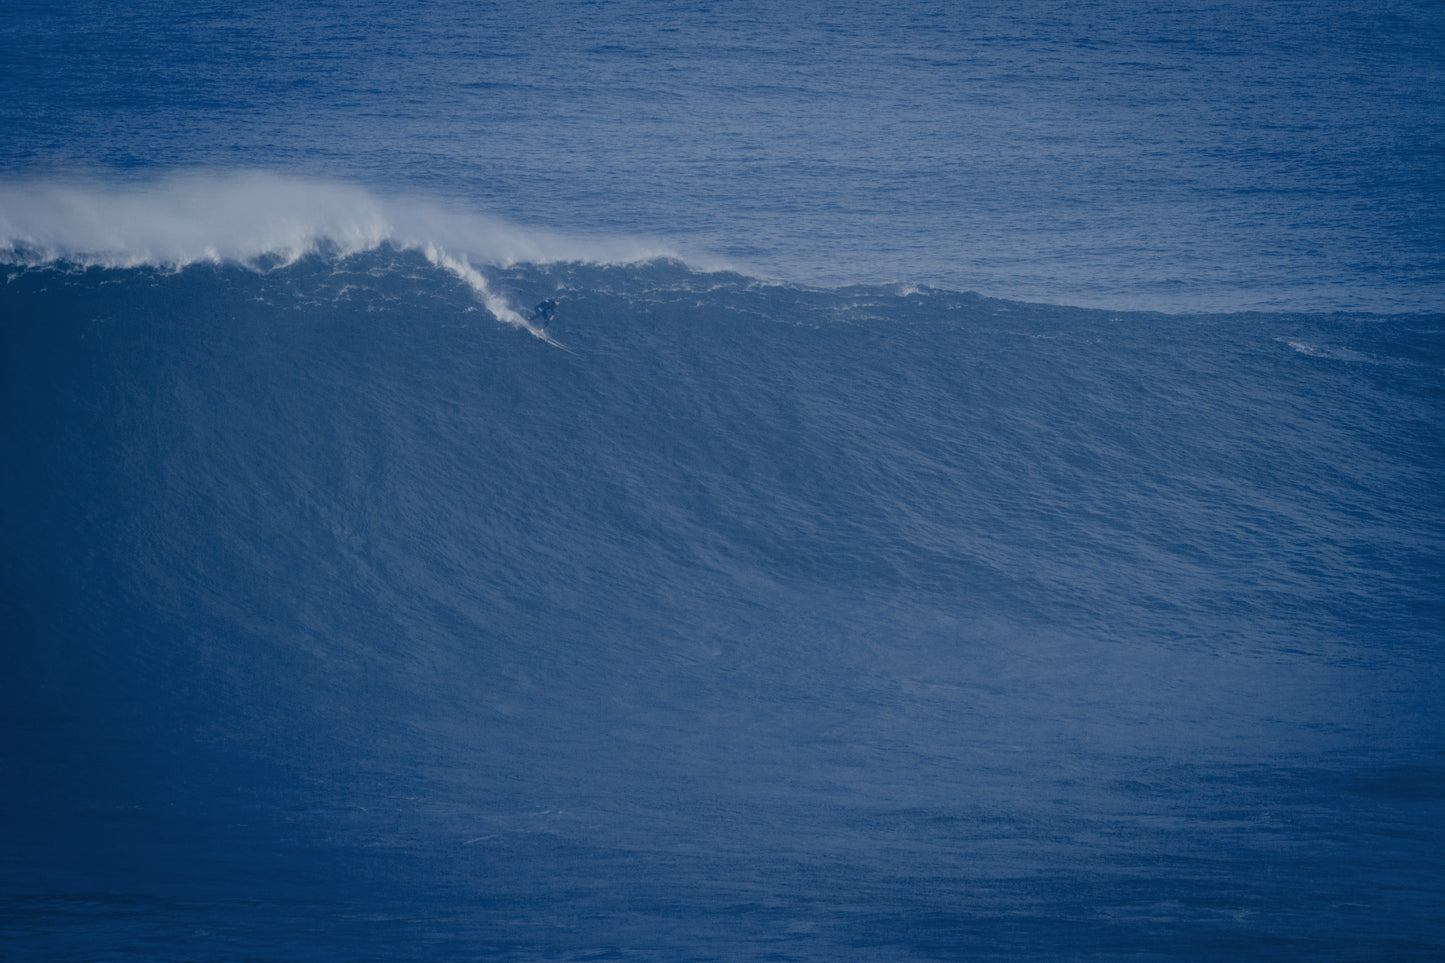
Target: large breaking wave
771, 622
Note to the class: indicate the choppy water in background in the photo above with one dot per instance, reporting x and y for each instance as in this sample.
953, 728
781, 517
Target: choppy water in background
839, 615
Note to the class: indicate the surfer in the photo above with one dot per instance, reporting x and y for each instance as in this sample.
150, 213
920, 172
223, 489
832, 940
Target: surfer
546, 311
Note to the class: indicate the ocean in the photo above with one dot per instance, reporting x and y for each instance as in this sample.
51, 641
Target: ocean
980, 497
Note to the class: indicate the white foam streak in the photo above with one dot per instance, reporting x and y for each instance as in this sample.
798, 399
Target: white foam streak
256, 218
474, 279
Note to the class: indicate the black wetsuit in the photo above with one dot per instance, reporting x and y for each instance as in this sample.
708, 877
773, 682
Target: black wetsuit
547, 310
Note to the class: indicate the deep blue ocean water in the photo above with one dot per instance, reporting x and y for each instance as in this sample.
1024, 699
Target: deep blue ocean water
982, 499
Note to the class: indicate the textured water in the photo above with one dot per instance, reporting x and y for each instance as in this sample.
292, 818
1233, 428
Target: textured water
1212, 155
806, 605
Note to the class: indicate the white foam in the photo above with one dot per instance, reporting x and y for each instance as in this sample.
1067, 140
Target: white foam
462, 268
1332, 352
186, 219
255, 218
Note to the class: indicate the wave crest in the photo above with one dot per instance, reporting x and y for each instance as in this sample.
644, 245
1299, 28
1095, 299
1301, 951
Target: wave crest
262, 219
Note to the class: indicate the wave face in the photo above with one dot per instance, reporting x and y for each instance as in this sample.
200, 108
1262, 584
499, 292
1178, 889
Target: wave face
763, 622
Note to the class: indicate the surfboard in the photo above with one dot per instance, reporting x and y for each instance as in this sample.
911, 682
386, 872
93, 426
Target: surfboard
543, 335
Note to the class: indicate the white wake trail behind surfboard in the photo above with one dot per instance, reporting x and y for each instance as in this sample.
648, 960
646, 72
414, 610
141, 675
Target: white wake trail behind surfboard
493, 302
